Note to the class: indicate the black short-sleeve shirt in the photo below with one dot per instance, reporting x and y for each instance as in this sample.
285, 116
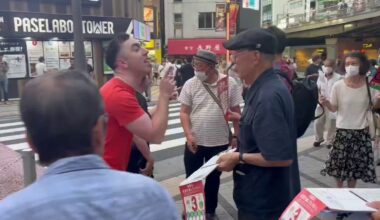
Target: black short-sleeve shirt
268, 127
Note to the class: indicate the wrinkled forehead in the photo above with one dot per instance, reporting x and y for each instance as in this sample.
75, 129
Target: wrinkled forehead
129, 44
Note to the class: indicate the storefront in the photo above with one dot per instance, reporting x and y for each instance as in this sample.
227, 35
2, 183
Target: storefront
24, 37
189, 47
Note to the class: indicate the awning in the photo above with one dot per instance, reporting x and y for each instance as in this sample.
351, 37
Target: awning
191, 46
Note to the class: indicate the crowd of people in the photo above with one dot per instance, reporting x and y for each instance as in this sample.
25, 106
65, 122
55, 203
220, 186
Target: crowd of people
89, 138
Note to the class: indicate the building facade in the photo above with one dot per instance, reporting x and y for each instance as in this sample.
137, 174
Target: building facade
193, 24
44, 28
330, 27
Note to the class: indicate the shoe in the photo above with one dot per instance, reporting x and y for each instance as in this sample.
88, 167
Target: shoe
211, 216
329, 146
378, 162
317, 143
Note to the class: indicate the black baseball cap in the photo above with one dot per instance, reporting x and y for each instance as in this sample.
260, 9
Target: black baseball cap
253, 39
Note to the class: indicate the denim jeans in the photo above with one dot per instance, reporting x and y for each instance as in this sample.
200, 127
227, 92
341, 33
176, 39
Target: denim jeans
4, 89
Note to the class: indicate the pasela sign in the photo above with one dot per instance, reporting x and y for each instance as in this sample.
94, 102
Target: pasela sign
48, 25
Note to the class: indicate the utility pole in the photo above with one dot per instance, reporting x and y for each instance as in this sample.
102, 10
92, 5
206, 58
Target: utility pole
79, 54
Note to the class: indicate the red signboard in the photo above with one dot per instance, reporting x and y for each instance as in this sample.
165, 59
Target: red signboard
191, 46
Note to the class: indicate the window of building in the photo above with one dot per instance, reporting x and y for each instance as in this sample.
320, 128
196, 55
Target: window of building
206, 20
177, 18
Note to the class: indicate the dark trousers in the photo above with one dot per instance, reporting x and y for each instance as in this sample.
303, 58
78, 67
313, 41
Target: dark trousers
251, 216
4, 89
195, 161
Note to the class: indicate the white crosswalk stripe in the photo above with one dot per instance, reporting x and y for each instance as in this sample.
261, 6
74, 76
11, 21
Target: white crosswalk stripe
12, 132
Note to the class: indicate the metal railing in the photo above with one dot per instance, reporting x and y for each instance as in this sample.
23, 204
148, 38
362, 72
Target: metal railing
326, 14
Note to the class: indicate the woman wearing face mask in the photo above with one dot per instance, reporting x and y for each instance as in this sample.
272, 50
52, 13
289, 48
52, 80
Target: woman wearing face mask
351, 157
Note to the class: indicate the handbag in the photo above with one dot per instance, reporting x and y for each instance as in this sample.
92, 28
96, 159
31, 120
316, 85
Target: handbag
372, 116
217, 101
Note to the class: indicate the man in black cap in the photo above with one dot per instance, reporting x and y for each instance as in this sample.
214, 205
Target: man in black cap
265, 167
205, 128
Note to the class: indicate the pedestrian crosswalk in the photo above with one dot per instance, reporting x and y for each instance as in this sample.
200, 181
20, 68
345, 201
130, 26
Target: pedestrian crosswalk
12, 132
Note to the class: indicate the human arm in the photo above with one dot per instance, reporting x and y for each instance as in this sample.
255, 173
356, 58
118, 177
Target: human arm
276, 144
236, 110
332, 105
153, 130
186, 125
143, 147
375, 205
229, 160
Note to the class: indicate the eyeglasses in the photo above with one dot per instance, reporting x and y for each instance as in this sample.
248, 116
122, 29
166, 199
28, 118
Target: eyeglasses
242, 51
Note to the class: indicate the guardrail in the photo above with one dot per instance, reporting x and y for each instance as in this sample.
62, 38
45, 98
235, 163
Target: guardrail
338, 11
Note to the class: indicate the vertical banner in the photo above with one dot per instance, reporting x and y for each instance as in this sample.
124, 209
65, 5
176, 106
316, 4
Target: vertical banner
220, 24
251, 4
234, 10
193, 200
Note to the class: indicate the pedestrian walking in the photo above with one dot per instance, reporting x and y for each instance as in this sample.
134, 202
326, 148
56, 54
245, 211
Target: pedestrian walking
207, 133
312, 70
326, 80
65, 124
351, 157
41, 67
127, 120
266, 176
184, 73
4, 68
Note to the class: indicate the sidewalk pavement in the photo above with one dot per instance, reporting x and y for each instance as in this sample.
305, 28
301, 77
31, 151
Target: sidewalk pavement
311, 161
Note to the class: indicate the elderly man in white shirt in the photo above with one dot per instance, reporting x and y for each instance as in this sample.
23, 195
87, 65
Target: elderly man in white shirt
327, 78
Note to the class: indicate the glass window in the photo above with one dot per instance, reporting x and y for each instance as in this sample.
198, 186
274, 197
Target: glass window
206, 20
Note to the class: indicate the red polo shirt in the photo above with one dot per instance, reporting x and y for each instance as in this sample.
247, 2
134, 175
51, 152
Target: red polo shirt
122, 108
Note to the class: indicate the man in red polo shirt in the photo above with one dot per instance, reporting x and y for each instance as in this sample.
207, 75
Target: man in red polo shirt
127, 121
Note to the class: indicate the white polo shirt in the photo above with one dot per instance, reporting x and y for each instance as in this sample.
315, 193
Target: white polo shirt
207, 119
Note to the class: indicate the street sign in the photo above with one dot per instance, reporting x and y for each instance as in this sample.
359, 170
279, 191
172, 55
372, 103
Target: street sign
251, 4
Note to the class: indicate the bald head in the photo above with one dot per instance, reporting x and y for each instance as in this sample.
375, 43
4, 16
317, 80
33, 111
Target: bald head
60, 111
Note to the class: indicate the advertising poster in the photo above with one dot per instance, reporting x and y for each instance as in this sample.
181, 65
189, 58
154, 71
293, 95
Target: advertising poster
234, 9
72, 49
220, 23
251, 4
88, 48
193, 201
51, 54
17, 65
106, 69
35, 51
64, 49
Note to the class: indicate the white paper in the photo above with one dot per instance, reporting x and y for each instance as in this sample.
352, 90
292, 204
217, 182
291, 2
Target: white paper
370, 195
340, 200
205, 170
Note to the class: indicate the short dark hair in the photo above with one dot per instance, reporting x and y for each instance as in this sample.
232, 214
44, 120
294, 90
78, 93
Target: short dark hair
316, 57
364, 63
60, 111
113, 49
41, 59
282, 41
189, 59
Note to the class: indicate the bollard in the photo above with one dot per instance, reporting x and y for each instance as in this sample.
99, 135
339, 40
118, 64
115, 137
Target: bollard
29, 166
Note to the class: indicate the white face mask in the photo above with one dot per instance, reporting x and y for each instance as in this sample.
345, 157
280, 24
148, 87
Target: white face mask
352, 71
327, 70
201, 75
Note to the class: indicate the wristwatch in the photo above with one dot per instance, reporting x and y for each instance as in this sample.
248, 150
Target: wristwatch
241, 160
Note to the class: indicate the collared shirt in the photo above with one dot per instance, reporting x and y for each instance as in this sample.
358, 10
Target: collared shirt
206, 117
325, 85
268, 127
84, 188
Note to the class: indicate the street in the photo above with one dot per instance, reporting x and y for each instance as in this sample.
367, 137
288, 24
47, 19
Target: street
169, 168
